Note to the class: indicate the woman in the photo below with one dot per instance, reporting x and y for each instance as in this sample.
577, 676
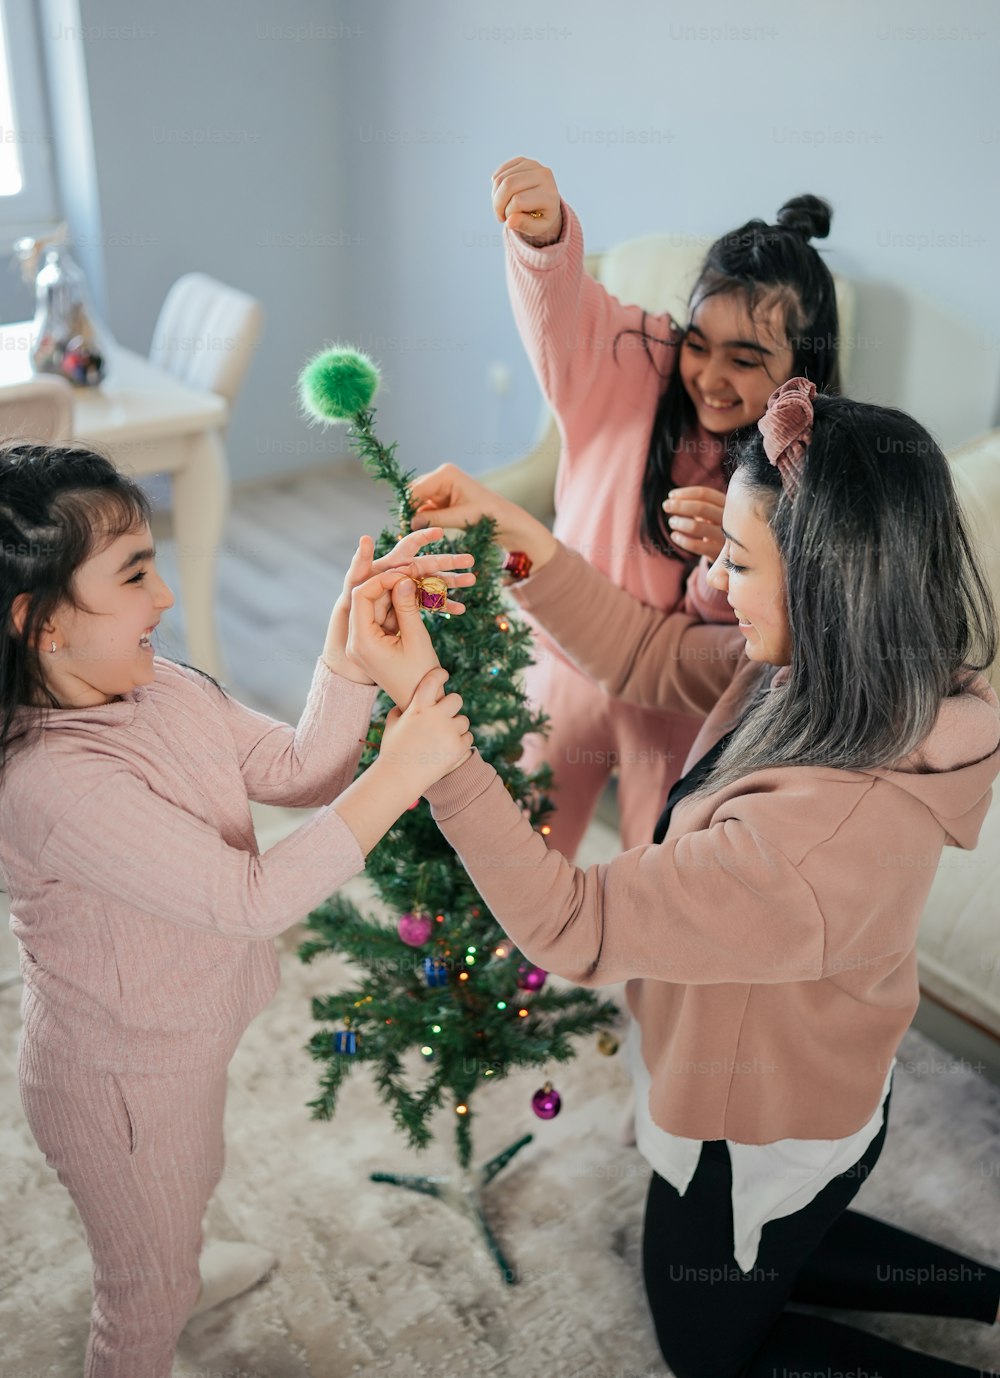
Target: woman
767, 938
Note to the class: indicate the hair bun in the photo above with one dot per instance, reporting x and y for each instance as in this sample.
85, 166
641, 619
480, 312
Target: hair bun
807, 215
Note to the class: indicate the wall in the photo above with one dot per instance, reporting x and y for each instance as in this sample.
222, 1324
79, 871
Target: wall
217, 148
335, 158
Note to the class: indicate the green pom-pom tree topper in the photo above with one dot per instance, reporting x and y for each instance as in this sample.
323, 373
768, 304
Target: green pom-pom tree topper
337, 384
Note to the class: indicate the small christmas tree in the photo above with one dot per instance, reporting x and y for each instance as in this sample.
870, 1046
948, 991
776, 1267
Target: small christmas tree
445, 1005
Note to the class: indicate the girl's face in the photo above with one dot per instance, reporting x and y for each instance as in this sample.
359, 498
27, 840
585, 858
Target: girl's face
730, 363
98, 653
751, 573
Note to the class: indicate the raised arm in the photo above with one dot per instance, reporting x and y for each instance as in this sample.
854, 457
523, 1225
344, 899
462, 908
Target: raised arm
171, 865
313, 763
304, 766
110, 832
568, 321
671, 661
719, 905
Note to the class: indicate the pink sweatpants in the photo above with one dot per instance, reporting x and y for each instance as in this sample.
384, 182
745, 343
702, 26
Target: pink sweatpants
140, 1155
588, 735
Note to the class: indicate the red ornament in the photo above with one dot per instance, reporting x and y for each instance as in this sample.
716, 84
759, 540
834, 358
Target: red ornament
414, 929
546, 1102
517, 565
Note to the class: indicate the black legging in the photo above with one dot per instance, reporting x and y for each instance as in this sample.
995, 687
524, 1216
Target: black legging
713, 1321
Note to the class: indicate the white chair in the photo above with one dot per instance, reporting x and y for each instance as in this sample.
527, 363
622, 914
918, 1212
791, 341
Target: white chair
40, 410
206, 334
657, 272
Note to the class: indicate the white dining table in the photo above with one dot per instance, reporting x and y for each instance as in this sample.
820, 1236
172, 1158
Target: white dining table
152, 423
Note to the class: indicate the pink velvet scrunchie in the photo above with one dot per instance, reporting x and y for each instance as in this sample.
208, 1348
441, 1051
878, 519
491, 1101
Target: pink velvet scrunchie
787, 429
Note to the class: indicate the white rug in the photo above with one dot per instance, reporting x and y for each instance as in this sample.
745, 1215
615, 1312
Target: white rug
378, 1281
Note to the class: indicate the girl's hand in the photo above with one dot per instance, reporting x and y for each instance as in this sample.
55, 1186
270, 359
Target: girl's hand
402, 556
452, 498
521, 186
429, 738
696, 520
397, 660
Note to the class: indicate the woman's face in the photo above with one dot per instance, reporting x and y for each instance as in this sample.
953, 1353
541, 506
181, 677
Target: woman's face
730, 363
751, 573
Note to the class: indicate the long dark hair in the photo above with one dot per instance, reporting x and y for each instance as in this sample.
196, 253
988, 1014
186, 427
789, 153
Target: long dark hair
889, 610
59, 505
764, 263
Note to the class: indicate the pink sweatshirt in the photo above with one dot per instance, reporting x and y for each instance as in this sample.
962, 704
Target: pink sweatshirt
568, 323
143, 909
769, 940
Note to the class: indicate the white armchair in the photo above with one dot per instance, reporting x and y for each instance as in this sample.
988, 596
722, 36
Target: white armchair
206, 334
959, 946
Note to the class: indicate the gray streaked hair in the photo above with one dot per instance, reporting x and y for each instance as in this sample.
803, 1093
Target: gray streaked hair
888, 608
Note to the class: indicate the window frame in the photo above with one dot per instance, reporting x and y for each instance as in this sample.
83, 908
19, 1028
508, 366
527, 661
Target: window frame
35, 206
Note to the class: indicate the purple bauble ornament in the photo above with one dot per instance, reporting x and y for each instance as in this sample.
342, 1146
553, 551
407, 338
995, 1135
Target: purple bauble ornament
547, 1102
530, 978
415, 929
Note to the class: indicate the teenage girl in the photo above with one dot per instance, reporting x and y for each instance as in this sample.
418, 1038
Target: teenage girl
645, 408
143, 909
767, 935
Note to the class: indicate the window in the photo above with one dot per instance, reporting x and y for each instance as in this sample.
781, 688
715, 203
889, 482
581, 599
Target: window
27, 194
11, 174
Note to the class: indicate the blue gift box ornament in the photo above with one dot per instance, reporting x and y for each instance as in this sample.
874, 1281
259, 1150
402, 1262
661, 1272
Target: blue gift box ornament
435, 971
345, 1041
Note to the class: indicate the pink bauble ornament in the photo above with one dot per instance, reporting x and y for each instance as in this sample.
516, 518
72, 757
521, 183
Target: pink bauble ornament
547, 1102
415, 929
530, 977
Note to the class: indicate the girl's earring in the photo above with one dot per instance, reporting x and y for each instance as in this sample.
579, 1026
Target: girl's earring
53, 651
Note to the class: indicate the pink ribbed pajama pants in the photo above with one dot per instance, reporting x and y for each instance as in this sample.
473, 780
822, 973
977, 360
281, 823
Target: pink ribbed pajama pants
588, 734
140, 1155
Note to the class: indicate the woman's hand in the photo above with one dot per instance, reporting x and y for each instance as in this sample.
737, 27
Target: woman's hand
696, 520
522, 186
420, 744
402, 556
430, 738
452, 498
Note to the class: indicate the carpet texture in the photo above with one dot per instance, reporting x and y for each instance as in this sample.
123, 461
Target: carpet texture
378, 1281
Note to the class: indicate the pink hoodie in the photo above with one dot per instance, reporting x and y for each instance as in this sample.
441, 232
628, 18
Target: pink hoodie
772, 932
604, 399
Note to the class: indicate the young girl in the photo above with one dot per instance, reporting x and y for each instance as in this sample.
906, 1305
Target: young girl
767, 934
143, 910
645, 408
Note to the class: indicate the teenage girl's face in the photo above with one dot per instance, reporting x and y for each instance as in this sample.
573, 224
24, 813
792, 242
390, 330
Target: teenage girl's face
730, 363
98, 653
751, 573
